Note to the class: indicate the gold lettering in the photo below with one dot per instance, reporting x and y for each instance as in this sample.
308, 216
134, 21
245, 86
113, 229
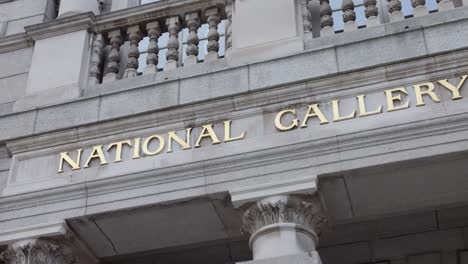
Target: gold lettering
278, 123
227, 132
314, 111
455, 90
362, 107
336, 112
136, 148
173, 136
391, 99
118, 149
146, 143
96, 153
75, 165
207, 131
430, 91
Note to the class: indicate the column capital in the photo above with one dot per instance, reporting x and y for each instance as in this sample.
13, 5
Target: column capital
284, 225
37, 251
304, 211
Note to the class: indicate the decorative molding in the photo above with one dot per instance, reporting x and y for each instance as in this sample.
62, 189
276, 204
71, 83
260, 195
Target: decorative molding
61, 26
253, 193
33, 231
14, 42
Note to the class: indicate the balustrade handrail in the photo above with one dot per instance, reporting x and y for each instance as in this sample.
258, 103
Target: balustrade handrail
147, 13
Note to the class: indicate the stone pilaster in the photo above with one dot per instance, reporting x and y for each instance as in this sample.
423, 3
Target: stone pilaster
284, 225
38, 251
73, 7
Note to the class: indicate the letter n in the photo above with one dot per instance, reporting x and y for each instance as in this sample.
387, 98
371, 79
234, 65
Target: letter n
75, 165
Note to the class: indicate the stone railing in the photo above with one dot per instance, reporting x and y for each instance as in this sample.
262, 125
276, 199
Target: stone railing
371, 13
152, 30
120, 38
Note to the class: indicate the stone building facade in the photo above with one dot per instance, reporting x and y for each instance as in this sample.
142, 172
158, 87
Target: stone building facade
234, 131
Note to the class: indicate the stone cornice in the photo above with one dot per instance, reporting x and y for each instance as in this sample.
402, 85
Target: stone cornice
14, 42
253, 193
61, 26
58, 228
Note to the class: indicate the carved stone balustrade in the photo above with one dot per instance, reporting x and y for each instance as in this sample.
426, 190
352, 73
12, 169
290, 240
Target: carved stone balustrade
117, 43
172, 37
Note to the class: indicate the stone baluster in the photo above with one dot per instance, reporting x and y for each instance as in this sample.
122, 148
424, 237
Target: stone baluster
285, 225
306, 16
394, 10
445, 5
372, 13
154, 32
134, 36
349, 16
420, 8
193, 23
113, 59
95, 71
213, 34
37, 251
228, 26
172, 56
326, 19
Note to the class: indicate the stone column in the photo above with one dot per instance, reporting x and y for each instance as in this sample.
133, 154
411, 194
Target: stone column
74, 7
38, 251
284, 228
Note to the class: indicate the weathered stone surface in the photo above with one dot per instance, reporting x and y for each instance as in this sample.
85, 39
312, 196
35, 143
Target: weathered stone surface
292, 69
382, 50
210, 86
17, 125
50, 54
72, 114
12, 87
17, 26
139, 100
26, 8
438, 41
19, 62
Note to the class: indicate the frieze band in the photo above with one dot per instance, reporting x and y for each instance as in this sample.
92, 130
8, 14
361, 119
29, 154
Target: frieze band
395, 99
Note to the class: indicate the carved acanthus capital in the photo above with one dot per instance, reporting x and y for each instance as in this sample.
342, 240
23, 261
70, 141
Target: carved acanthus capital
303, 210
37, 251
